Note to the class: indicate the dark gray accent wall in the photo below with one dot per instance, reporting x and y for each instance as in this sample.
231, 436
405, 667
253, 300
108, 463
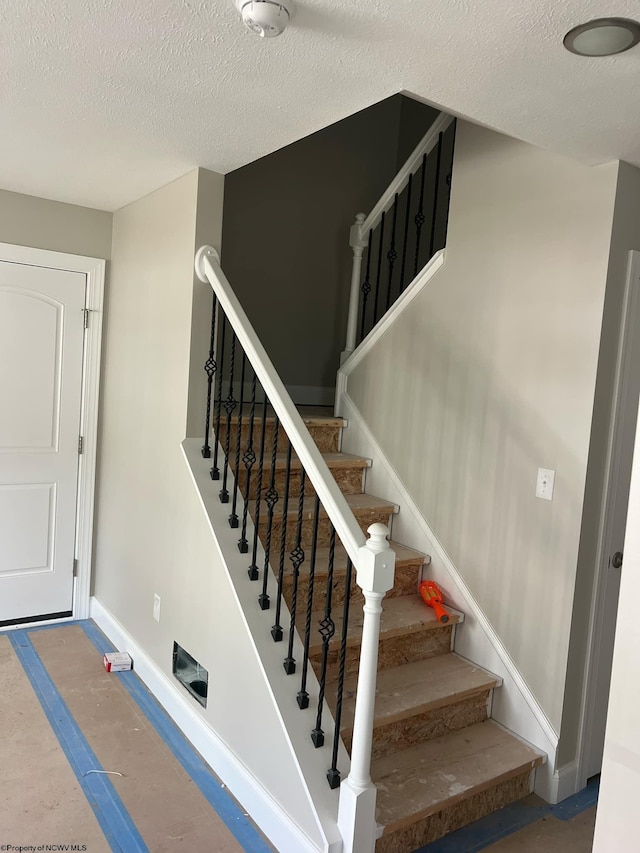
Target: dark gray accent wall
285, 237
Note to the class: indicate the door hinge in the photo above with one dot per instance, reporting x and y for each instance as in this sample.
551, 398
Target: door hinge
80, 445
85, 312
75, 567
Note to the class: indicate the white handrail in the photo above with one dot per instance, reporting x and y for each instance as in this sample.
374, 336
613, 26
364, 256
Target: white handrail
207, 265
426, 144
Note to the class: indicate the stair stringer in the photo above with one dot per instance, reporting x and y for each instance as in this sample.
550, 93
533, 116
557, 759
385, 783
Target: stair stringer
514, 705
312, 764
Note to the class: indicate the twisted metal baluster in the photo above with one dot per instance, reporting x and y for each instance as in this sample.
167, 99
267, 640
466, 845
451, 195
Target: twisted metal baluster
229, 406
253, 570
432, 240
333, 775
366, 287
276, 631
419, 217
303, 695
248, 460
215, 471
210, 369
233, 518
392, 254
271, 499
378, 272
406, 234
297, 559
327, 630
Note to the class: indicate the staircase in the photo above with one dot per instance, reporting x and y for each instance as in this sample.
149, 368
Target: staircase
438, 762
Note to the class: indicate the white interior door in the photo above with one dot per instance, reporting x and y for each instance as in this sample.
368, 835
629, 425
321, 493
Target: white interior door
625, 417
41, 353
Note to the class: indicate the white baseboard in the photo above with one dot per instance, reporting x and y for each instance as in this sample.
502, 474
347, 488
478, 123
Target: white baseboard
514, 705
255, 799
564, 782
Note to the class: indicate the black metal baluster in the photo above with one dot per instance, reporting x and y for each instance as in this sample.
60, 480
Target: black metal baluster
419, 218
271, 499
435, 198
366, 287
210, 369
248, 460
253, 570
327, 630
297, 559
303, 696
215, 471
406, 234
449, 179
229, 406
378, 272
333, 776
276, 631
392, 254
233, 518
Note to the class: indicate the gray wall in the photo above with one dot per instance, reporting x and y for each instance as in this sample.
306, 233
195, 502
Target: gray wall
491, 374
43, 224
151, 531
625, 236
285, 240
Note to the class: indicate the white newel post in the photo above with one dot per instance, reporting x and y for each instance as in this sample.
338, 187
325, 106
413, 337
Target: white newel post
358, 243
357, 807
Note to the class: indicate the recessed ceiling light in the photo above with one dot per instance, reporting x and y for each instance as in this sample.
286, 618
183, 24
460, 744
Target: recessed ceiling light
603, 37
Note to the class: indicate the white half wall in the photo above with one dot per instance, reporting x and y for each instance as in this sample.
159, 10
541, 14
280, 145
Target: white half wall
152, 536
490, 375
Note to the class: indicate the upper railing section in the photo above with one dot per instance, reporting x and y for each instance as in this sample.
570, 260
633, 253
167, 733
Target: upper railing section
405, 228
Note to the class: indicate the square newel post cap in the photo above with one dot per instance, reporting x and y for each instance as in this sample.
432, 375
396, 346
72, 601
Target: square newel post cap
377, 562
356, 238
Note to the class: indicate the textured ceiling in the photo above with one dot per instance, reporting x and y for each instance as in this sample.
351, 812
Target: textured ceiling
103, 101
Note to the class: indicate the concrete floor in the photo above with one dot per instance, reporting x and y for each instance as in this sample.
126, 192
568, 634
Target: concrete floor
83, 764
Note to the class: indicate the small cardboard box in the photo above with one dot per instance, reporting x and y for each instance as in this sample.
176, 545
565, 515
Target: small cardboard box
117, 661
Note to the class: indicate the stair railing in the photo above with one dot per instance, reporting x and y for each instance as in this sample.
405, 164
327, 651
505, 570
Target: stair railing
407, 224
245, 395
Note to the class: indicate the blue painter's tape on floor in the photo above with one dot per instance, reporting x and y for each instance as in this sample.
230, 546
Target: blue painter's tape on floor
488, 830
114, 820
243, 830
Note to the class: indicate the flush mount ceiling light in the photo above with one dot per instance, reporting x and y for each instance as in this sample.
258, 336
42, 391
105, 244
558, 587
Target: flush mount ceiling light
266, 18
603, 37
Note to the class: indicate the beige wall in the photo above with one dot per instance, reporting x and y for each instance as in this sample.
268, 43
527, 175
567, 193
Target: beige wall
43, 224
151, 532
491, 374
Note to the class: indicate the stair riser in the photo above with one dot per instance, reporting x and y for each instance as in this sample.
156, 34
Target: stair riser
349, 479
437, 722
392, 652
365, 518
327, 438
460, 814
406, 581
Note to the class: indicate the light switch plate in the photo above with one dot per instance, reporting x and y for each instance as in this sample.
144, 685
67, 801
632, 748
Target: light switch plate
544, 486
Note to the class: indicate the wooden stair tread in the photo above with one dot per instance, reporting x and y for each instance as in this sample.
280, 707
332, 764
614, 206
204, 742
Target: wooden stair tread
310, 419
414, 688
358, 503
406, 614
333, 460
428, 777
404, 557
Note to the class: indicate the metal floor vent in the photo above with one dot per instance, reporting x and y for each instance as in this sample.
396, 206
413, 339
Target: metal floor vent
192, 676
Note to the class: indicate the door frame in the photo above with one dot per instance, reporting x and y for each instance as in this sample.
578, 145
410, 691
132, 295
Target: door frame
629, 331
94, 269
